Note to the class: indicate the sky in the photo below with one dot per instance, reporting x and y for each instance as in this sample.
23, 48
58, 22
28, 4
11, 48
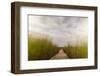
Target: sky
64, 30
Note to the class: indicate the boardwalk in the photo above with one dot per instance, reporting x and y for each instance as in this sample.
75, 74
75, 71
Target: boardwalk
60, 55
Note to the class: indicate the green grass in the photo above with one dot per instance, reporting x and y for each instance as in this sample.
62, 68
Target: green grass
78, 51
44, 49
40, 49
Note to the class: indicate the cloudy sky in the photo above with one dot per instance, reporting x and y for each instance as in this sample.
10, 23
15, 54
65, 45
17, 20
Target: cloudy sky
64, 30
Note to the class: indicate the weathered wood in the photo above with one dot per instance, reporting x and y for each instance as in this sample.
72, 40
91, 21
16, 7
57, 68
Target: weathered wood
60, 55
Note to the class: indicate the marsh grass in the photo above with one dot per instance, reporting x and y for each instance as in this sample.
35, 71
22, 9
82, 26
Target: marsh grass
77, 51
40, 49
44, 49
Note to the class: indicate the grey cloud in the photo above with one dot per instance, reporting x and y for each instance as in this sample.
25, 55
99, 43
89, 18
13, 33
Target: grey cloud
63, 29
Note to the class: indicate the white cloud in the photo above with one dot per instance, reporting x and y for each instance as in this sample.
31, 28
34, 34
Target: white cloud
63, 29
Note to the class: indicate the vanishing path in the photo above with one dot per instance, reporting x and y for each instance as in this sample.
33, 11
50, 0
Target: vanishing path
60, 55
